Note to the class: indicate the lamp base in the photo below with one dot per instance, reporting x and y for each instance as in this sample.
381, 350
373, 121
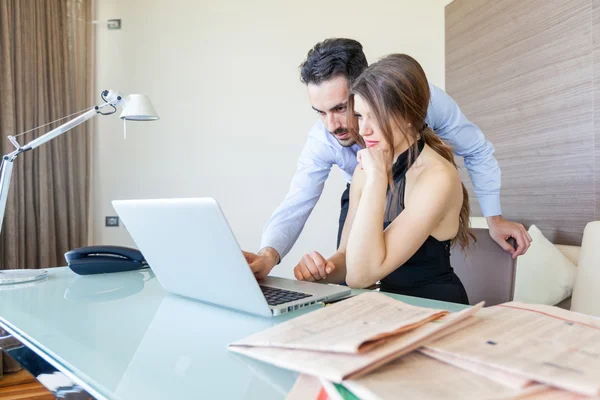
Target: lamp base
21, 275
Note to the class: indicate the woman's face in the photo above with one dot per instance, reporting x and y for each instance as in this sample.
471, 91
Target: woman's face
369, 129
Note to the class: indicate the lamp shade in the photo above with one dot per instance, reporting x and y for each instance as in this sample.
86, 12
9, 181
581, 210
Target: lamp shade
137, 107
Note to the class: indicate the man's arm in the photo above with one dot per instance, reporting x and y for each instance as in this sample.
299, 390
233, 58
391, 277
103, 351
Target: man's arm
467, 141
287, 221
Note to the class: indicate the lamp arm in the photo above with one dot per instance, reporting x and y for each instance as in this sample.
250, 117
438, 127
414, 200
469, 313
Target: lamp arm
58, 130
7, 161
92, 112
7, 167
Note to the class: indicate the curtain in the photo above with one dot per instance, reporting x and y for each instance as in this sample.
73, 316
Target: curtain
46, 73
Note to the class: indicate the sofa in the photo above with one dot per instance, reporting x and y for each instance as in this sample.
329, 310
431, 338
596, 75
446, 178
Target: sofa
553, 274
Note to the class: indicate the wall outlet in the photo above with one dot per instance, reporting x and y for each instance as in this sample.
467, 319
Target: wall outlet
114, 24
111, 221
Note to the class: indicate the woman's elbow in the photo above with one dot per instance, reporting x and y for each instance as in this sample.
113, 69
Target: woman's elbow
363, 273
358, 281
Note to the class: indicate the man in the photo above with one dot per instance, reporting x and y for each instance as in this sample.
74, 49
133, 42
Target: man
328, 72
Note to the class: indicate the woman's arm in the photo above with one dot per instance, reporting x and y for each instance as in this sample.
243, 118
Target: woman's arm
308, 268
372, 253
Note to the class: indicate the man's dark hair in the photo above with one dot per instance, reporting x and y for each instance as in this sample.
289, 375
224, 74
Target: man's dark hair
332, 58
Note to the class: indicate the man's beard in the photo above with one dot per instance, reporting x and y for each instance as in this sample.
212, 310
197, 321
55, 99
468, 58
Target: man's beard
348, 142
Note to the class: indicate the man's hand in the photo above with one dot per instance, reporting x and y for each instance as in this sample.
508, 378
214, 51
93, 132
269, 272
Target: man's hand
501, 230
263, 262
313, 267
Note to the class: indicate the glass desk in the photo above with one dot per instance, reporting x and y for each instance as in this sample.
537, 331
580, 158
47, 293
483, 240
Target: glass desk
121, 336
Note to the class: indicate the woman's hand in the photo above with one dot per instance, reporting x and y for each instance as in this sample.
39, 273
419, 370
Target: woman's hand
375, 163
313, 267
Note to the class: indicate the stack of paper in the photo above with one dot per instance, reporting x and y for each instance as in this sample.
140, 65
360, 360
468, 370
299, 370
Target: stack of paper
352, 326
540, 343
352, 337
416, 376
513, 350
367, 344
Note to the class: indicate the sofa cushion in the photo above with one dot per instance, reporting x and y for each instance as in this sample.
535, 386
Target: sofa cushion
478, 222
544, 274
571, 252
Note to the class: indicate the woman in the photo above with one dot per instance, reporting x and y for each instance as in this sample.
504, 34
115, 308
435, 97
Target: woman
407, 183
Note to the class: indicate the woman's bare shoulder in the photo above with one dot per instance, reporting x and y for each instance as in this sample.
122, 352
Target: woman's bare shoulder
434, 166
437, 176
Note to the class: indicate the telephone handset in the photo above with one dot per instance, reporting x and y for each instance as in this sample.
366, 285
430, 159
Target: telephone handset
104, 259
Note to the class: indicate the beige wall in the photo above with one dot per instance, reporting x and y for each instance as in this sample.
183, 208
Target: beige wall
223, 76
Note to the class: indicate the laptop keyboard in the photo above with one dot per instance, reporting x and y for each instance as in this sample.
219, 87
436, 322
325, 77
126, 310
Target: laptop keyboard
276, 296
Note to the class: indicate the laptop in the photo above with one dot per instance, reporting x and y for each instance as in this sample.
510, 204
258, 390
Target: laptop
193, 253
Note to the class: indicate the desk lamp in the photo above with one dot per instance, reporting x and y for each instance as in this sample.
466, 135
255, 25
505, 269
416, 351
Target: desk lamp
136, 107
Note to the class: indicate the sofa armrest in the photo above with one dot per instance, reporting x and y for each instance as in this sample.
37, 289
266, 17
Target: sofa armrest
586, 298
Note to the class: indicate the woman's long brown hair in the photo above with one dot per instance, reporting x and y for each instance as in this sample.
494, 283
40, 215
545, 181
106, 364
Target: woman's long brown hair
397, 91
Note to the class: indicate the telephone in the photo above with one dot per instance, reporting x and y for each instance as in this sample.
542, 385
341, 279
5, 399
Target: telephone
104, 259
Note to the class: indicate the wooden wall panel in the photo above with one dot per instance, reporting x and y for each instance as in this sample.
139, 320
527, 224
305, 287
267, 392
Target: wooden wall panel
522, 70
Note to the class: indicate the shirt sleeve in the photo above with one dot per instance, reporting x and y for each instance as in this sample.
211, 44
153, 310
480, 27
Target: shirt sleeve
467, 141
285, 225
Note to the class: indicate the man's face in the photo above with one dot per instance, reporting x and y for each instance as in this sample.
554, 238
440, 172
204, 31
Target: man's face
329, 100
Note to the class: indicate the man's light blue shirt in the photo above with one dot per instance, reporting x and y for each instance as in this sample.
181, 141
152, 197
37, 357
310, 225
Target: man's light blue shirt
322, 151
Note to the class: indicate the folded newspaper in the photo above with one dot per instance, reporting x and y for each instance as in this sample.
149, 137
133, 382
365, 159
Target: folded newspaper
410, 377
352, 337
539, 343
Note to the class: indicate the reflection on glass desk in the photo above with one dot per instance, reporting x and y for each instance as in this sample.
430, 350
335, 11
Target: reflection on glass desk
121, 336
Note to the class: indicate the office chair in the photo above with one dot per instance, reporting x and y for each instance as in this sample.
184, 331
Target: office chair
485, 269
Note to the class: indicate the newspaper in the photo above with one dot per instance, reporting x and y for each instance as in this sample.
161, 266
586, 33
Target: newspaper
514, 381
416, 376
550, 393
339, 366
540, 343
351, 326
